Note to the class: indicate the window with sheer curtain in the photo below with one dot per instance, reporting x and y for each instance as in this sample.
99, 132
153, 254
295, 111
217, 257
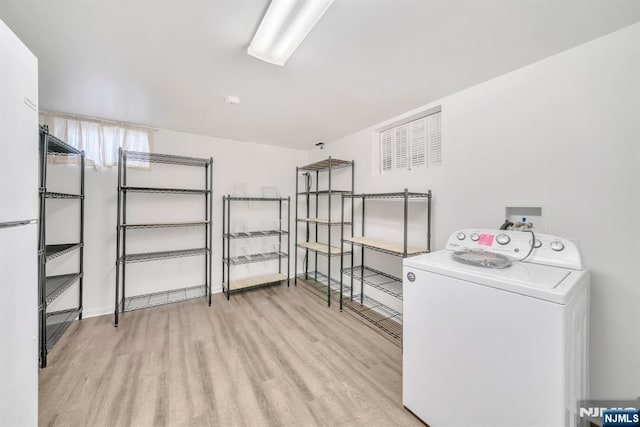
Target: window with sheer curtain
100, 140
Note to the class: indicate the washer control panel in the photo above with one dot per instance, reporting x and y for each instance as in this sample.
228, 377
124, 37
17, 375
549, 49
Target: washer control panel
546, 249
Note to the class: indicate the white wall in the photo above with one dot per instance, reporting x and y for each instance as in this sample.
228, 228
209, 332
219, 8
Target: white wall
256, 165
563, 132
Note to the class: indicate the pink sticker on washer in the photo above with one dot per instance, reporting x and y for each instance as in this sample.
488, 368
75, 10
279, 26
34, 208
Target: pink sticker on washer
485, 240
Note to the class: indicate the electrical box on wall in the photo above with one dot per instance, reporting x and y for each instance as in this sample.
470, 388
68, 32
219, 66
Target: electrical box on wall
526, 216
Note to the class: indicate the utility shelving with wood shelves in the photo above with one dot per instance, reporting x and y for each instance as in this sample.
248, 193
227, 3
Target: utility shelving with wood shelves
229, 285
124, 303
385, 285
316, 280
52, 325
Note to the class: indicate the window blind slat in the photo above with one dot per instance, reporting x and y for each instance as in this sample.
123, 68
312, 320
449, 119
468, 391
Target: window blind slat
435, 139
418, 146
386, 161
401, 146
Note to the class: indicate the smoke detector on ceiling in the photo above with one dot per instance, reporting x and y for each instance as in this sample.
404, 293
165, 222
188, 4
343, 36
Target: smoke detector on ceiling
232, 100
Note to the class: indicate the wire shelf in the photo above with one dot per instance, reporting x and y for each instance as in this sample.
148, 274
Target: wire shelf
322, 221
153, 256
255, 199
164, 190
57, 324
57, 146
377, 279
323, 165
57, 285
378, 315
317, 282
248, 259
250, 234
398, 195
164, 158
139, 302
52, 195
321, 192
165, 225
54, 251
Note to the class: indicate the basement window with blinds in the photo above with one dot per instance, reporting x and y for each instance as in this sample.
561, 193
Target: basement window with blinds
413, 144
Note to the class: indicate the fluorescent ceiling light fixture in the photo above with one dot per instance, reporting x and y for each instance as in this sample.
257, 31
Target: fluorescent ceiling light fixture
284, 27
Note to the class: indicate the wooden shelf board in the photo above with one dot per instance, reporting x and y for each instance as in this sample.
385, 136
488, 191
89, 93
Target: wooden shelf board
387, 246
322, 248
250, 282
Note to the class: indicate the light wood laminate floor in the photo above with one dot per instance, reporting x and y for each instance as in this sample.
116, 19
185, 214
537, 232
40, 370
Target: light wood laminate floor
272, 356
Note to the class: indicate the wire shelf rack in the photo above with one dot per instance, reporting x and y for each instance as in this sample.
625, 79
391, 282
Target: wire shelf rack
126, 302
139, 302
57, 285
308, 213
377, 279
164, 158
57, 324
153, 256
279, 250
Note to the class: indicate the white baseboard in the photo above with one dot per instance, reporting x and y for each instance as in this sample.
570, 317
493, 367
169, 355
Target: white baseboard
95, 312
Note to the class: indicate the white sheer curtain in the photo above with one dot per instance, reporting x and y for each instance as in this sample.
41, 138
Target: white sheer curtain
99, 139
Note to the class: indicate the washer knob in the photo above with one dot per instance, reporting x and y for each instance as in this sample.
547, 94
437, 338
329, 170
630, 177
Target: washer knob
461, 236
535, 244
475, 237
503, 239
556, 245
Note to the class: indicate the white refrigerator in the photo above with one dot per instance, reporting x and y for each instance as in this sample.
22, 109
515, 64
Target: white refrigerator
18, 231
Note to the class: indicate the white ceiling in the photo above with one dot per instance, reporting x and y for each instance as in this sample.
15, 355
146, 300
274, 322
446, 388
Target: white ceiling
170, 63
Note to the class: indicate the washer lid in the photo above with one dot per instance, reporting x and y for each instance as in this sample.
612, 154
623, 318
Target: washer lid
540, 281
481, 258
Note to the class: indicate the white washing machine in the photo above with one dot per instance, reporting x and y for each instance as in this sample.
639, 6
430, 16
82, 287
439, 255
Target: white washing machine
505, 346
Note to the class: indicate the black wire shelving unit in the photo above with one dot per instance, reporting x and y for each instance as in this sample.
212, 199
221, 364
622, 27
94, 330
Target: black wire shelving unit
230, 286
53, 324
374, 311
314, 245
125, 302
